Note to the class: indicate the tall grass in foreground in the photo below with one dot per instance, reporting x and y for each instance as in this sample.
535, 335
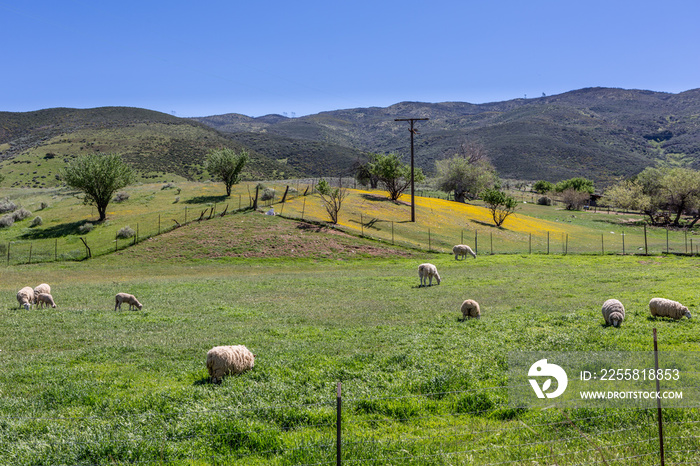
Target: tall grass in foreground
83, 384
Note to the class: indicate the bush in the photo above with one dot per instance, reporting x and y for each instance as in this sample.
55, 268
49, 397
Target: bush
6, 221
7, 205
126, 232
86, 228
20, 214
267, 194
544, 200
542, 187
36, 221
121, 197
43, 205
168, 186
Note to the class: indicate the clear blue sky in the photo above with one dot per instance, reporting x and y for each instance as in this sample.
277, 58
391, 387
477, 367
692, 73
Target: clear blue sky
199, 58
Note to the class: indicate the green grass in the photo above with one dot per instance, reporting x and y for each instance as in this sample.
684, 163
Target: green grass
83, 384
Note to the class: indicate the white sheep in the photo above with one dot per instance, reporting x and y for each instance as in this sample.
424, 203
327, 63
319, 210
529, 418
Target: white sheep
461, 250
470, 308
43, 288
663, 307
25, 297
426, 272
126, 298
45, 299
224, 360
613, 312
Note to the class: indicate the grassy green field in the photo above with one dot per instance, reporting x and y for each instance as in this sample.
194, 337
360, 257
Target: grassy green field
82, 384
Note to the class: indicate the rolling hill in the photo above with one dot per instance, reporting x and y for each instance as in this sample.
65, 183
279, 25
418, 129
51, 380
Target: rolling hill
35, 145
601, 133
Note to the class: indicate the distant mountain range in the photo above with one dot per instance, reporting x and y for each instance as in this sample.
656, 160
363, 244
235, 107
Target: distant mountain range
599, 133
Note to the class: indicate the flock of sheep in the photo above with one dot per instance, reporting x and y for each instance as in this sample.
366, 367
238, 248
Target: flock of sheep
613, 310
236, 359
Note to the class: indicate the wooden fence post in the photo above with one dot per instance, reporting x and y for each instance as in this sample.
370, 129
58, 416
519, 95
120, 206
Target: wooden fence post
338, 424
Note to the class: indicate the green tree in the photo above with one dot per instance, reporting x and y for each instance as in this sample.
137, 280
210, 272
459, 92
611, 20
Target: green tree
392, 174
98, 176
226, 165
577, 184
464, 178
543, 187
332, 198
500, 204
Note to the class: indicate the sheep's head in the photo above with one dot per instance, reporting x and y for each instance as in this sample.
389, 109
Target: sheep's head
616, 319
687, 314
26, 306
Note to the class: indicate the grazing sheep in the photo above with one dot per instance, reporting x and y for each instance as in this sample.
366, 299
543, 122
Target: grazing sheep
663, 307
43, 288
470, 308
25, 297
45, 298
461, 250
224, 360
126, 298
426, 272
613, 312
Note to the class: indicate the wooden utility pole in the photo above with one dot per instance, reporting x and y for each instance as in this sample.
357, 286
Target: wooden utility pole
412, 131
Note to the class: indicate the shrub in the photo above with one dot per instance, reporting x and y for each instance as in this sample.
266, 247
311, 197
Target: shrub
20, 214
6, 221
544, 200
542, 186
177, 199
86, 228
267, 194
121, 196
126, 232
43, 205
168, 186
36, 221
7, 205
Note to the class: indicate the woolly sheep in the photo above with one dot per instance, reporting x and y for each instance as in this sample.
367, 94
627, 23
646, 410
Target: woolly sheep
126, 298
426, 272
613, 312
25, 297
224, 360
663, 307
43, 288
461, 250
45, 299
470, 308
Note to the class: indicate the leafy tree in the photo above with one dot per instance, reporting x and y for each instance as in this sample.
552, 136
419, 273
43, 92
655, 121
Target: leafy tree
464, 177
574, 199
500, 204
577, 184
332, 198
663, 194
543, 187
99, 176
363, 175
226, 165
392, 174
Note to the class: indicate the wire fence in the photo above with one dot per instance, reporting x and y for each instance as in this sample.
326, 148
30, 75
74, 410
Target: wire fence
293, 200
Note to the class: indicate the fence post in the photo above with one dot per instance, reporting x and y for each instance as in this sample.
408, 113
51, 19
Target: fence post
462, 242
392, 233
530, 244
8, 252
658, 401
667, 240
429, 243
159, 224
185, 215
362, 225
547, 242
646, 244
492, 243
30, 253
623, 243
476, 241
338, 439
303, 208
602, 245
55, 250
566, 252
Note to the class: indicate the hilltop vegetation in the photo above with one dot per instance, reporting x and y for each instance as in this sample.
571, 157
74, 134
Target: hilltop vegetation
598, 133
160, 147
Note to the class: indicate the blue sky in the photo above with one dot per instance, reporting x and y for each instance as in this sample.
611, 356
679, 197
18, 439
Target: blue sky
302, 57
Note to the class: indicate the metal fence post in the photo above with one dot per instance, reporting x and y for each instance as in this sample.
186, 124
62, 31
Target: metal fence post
658, 401
338, 438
